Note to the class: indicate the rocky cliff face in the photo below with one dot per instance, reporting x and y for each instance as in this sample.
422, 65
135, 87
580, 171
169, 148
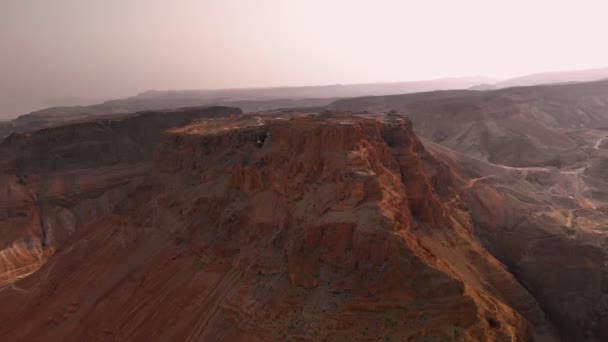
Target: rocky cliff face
537, 163
57, 180
314, 228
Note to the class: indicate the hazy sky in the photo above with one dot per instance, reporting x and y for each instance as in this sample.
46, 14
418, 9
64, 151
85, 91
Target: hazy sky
53, 50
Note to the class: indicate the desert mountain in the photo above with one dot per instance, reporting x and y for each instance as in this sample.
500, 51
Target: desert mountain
333, 226
56, 180
556, 77
324, 226
249, 100
262, 99
536, 160
586, 75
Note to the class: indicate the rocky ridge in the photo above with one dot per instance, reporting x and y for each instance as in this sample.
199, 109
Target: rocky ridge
56, 180
323, 227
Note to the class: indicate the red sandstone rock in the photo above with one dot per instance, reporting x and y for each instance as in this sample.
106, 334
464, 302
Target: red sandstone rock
56, 180
307, 229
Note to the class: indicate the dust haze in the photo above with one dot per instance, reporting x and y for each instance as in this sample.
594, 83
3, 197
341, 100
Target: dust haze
282, 170
68, 52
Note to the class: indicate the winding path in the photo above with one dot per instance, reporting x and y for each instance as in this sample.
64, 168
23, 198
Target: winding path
473, 181
599, 142
15, 288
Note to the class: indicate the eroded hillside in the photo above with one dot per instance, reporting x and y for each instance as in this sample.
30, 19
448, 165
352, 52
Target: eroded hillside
526, 126
57, 180
535, 166
323, 227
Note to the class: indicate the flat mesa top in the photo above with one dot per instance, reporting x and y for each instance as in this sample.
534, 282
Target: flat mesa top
218, 125
221, 125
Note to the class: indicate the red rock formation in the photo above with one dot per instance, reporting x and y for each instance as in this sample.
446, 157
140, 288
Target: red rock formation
56, 180
312, 228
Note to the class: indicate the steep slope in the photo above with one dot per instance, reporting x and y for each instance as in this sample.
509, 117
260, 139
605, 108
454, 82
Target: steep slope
537, 168
531, 126
329, 227
56, 180
548, 226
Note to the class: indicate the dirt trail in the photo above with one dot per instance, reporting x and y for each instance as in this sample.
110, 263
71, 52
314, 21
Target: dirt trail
599, 142
15, 288
474, 181
526, 168
573, 177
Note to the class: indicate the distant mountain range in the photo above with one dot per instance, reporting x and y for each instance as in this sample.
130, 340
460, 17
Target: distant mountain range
260, 99
556, 77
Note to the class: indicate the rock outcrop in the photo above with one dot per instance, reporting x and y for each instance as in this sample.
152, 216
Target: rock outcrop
334, 227
56, 180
